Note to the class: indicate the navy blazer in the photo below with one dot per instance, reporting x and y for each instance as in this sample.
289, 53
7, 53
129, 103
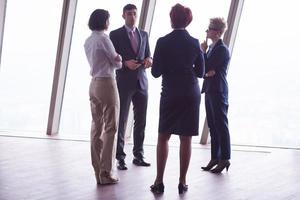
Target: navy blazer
217, 60
127, 78
179, 59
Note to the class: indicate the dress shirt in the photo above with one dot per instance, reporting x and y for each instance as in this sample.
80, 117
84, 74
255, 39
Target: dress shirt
101, 55
134, 32
210, 48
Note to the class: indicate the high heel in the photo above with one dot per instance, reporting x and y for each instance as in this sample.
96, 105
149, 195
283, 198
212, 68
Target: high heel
221, 166
210, 165
182, 188
157, 188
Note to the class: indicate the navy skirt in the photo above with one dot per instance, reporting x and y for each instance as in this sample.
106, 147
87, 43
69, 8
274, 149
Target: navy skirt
179, 114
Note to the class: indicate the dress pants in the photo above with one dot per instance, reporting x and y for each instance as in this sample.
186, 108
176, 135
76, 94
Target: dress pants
139, 99
216, 105
104, 101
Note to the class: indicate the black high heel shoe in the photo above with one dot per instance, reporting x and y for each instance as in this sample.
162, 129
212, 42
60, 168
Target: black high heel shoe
157, 188
182, 188
221, 166
210, 165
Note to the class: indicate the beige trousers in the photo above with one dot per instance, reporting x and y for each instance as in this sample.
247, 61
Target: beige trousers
105, 107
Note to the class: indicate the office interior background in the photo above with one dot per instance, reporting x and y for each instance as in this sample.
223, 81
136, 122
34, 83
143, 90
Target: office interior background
44, 74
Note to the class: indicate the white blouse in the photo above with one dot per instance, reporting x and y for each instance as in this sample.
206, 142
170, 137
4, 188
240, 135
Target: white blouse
101, 55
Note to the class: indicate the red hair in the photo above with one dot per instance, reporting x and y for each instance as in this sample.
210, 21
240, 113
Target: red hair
180, 16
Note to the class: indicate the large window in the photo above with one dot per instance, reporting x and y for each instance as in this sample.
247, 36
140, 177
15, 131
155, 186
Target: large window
27, 65
76, 116
264, 75
264, 86
160, 27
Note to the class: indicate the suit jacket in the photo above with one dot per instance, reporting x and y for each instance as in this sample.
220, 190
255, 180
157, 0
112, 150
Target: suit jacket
217, 60
179, 59
127, 79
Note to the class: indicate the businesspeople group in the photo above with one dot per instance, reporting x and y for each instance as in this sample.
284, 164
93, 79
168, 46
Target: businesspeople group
118, 65
126, 51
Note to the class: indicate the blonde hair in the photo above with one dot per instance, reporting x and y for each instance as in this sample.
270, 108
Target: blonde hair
218, 23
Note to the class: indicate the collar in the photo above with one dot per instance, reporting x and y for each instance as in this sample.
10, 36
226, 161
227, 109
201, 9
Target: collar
179, 29
130, 29
98, 32
214, 44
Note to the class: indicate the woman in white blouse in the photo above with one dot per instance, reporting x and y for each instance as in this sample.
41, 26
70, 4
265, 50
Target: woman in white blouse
104, 97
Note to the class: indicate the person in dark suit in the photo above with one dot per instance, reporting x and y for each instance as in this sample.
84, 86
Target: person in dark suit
179, 60
215, 88
133, 45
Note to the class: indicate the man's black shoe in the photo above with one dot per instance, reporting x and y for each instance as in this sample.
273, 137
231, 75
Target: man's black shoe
122, 165
140, 162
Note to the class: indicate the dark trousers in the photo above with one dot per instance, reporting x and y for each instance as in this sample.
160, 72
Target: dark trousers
216, 105
139, 99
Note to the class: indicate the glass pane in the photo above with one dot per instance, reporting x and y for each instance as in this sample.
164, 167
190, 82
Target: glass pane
160, 27
76, 116
27, 66
264, 75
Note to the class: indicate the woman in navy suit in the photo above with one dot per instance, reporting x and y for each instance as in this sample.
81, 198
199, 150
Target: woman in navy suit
179, 60
215, 88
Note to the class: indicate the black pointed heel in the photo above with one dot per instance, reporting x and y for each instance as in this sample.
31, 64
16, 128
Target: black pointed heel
182, 188
210, 165
221, 166
157, 188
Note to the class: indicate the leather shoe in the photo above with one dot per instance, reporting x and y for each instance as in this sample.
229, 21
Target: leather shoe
157, 188
182, 188
221, 165
140, 162
122, 165
210, 165
106, 178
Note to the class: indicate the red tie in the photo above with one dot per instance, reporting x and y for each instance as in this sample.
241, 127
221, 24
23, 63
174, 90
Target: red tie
133, 41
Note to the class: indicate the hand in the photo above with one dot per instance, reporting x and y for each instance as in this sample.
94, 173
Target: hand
118, 58
204, 46
132, 64
210, 73
148, 62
